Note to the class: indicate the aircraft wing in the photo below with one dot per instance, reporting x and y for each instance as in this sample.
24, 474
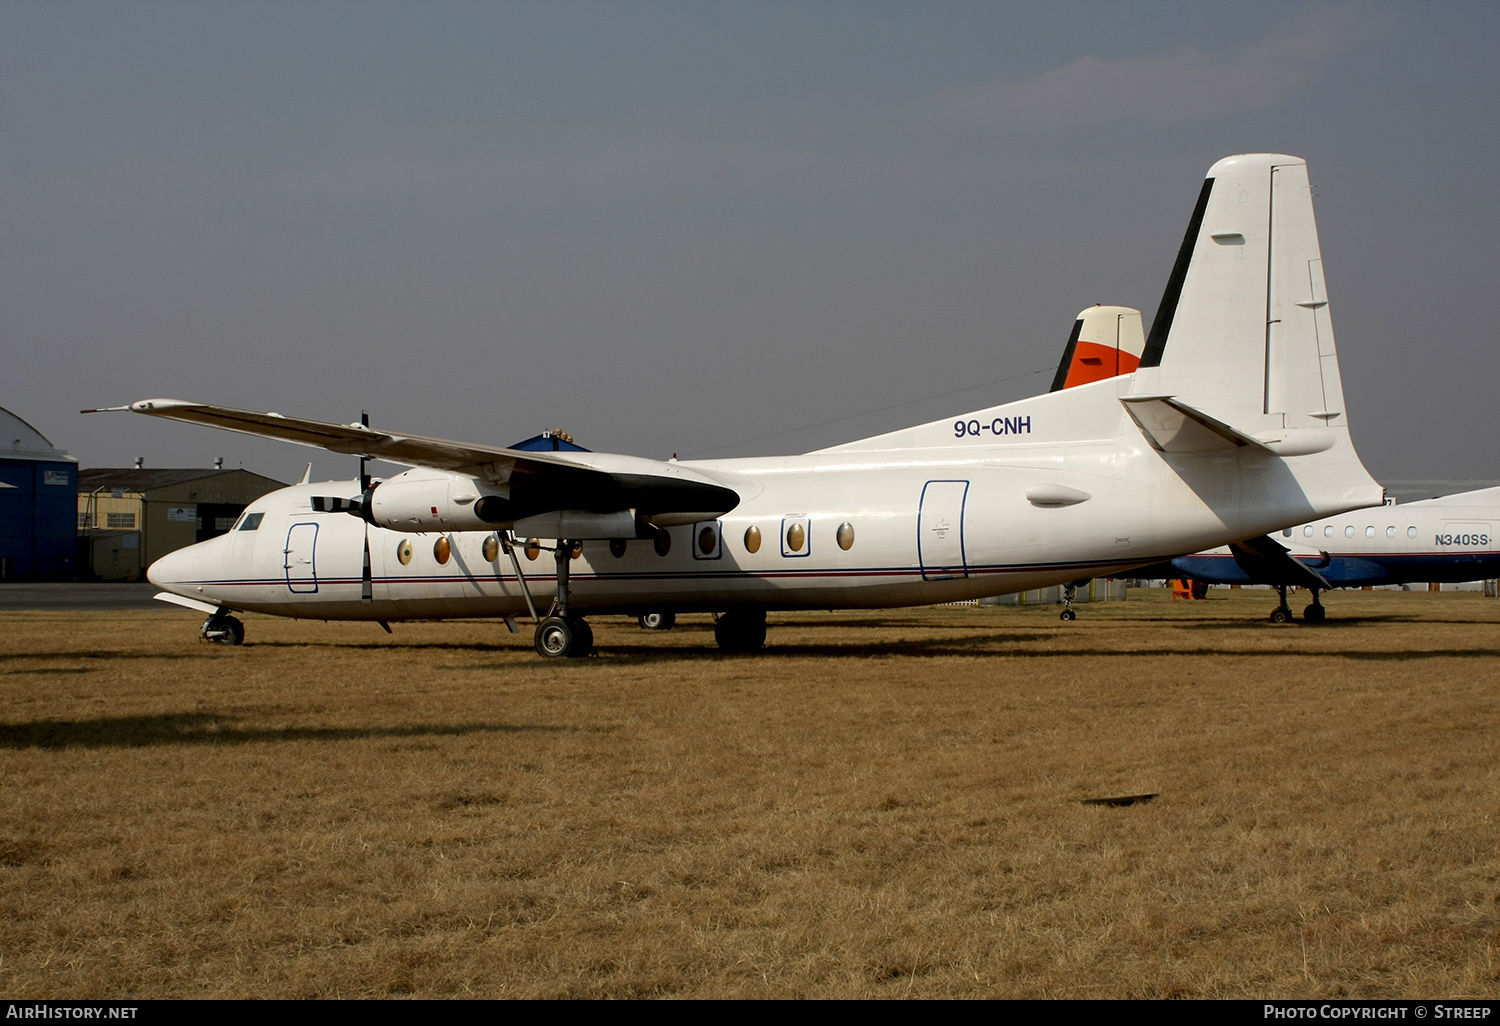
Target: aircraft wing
592, 481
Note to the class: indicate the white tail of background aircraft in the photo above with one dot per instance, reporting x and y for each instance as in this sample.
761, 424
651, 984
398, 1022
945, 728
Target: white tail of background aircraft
1233, 425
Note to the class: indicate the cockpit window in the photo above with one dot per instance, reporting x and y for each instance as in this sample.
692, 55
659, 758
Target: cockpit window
250, 521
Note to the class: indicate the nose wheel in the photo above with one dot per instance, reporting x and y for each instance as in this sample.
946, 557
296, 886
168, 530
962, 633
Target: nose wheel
223, 630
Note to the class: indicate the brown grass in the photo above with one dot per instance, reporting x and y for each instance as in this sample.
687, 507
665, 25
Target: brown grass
882, 804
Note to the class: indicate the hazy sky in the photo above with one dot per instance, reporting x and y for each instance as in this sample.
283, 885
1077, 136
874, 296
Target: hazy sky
714, 229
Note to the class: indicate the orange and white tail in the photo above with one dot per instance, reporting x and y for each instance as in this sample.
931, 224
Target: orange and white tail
1107, 341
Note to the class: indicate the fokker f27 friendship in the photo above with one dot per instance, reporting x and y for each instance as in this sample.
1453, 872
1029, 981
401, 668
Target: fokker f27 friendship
1233, 425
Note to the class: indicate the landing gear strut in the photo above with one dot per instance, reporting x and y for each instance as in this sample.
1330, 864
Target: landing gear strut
741, 630
559, 634
1070, 591
223, 629
1315, 613
1283, 612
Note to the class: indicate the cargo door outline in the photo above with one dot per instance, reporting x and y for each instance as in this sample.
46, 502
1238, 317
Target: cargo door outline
940, 530
300, 560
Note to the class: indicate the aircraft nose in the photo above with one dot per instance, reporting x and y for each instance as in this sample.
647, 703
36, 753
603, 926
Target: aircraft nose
171, 570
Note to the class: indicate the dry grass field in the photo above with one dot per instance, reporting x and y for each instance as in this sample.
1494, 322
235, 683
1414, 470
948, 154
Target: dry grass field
883, 804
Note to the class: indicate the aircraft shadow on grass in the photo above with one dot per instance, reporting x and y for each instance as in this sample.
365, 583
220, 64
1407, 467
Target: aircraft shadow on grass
214, 729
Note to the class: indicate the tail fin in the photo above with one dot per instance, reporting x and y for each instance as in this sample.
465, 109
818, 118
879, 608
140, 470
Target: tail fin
1243, 332
1107, 341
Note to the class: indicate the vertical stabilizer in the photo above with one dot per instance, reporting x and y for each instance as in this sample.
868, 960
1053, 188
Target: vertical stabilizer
1243, 332
1107, 341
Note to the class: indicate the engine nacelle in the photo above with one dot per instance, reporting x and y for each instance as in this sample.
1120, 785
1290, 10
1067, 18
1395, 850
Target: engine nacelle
421, 500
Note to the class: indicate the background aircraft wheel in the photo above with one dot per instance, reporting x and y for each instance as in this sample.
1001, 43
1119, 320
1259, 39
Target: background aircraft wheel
739, 631
225, 631
554, 637
1067, 614
657, 621
1281, 614
1315, 614
583, 638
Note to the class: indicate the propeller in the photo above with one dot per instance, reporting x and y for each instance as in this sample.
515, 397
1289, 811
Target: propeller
366, 583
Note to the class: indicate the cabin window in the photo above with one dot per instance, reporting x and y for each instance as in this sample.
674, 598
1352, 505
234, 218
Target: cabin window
663, 542
442, 549
752, 539
491, 548
403, 551
251, 521
617, 547
845, 535
533, 548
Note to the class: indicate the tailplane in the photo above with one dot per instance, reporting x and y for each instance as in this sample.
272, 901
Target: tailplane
1107, 341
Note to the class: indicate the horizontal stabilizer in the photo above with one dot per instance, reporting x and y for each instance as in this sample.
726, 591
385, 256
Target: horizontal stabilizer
1173, 426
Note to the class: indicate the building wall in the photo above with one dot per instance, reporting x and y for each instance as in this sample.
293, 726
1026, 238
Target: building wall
37, 519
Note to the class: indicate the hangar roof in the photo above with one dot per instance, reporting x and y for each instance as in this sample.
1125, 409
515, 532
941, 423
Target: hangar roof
20, 441
132, 480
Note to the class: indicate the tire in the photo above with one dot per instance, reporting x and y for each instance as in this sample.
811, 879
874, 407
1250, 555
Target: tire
657, 621
1315, 614
225, 631
741, 632
1281, 615
583, 638
1067, 615
554, 637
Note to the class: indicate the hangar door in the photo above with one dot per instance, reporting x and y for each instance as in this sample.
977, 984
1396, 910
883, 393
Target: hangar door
940, 530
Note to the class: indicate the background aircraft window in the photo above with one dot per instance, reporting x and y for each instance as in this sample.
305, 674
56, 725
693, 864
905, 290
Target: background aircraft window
1328, 531
1411, 532
752, 539
1369, 532
1307, 531
1390, 532
403, 551
1286, 533
442, 549
1349, 531
846, 535
252, 521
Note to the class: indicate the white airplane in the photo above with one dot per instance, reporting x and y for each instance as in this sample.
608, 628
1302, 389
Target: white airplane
1451, 538
1232, 426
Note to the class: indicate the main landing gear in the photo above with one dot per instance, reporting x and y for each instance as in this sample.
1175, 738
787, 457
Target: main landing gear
223, 629
657, 621
1314, 613
560, 634
741, 630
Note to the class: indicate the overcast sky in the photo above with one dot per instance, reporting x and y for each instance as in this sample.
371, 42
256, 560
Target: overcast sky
714, 229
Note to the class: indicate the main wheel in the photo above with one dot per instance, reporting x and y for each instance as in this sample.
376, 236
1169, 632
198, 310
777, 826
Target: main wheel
554, 637
1315, 614
1067, 614
1281, 614
657, 621
740, 631
583, 638
226, 630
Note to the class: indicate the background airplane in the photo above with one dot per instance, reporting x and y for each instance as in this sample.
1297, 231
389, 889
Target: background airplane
1447, 539
1207, 440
